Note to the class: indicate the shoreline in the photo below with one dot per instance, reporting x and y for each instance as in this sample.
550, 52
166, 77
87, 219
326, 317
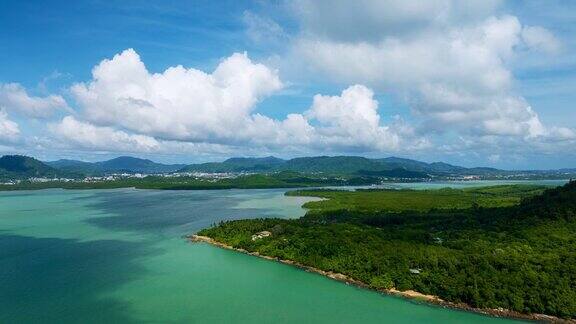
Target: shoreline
408, 294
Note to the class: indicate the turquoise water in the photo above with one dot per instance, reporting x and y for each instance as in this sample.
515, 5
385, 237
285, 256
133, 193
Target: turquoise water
476, 183
457, 184
118, 256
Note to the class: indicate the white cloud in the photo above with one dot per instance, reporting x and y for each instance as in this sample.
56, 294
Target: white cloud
87, 136
540, 38
471, 58
14, 97
179, 103
72, 134
448, 59
262, 29
352, 120
188, 105
349, 122
373, 20
9, 130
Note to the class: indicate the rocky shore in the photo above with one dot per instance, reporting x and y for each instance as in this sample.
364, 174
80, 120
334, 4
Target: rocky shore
410, 294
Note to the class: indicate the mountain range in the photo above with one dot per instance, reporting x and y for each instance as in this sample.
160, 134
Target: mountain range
391, 166
122, 164
18, 166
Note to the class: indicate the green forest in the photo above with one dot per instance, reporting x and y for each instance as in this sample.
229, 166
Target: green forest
506, 246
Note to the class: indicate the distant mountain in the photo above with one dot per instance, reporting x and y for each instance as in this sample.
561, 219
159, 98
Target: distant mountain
395, 173
122, 164
264, 164
396, 162
131, 164
16, 166
350, 165
442, 167
331, 164
251, 162
392, 167
413, 165
19, 166
74, 166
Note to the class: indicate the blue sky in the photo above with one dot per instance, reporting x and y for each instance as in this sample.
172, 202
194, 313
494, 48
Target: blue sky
477, 83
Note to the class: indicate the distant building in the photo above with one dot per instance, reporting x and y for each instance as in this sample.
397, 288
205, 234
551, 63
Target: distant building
415, 271
260, 235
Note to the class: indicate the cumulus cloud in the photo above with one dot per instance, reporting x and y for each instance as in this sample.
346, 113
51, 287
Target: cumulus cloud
349, 121
84, 135
179, 103
70, 133
352, 120
124, 100
9, 130
448, 59
14, 97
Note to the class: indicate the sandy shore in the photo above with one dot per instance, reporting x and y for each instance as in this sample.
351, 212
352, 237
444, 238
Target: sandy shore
410, 294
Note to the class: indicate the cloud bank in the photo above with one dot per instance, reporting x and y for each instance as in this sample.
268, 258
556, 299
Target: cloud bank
448, 60
9, 130
15, 98
127, 107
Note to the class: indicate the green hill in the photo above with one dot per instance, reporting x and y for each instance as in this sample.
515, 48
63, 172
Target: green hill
331, 165
322, 166
132, 164
265, 164
122, 164
392, 167
20, 167
394, 173
74, 166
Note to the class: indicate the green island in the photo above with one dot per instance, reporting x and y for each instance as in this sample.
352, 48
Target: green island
510, 248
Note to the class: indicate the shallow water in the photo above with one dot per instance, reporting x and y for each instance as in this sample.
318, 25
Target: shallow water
118, 256
455, 184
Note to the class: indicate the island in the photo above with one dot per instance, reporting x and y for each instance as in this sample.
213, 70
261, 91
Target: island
503, 250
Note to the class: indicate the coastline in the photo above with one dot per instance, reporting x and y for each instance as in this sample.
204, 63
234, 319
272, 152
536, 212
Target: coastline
408, 294
185, 187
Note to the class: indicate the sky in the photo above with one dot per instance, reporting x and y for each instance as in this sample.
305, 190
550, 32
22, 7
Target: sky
474, 83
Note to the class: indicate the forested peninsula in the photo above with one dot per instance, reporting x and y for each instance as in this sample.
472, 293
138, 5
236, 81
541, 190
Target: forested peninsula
506, 248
